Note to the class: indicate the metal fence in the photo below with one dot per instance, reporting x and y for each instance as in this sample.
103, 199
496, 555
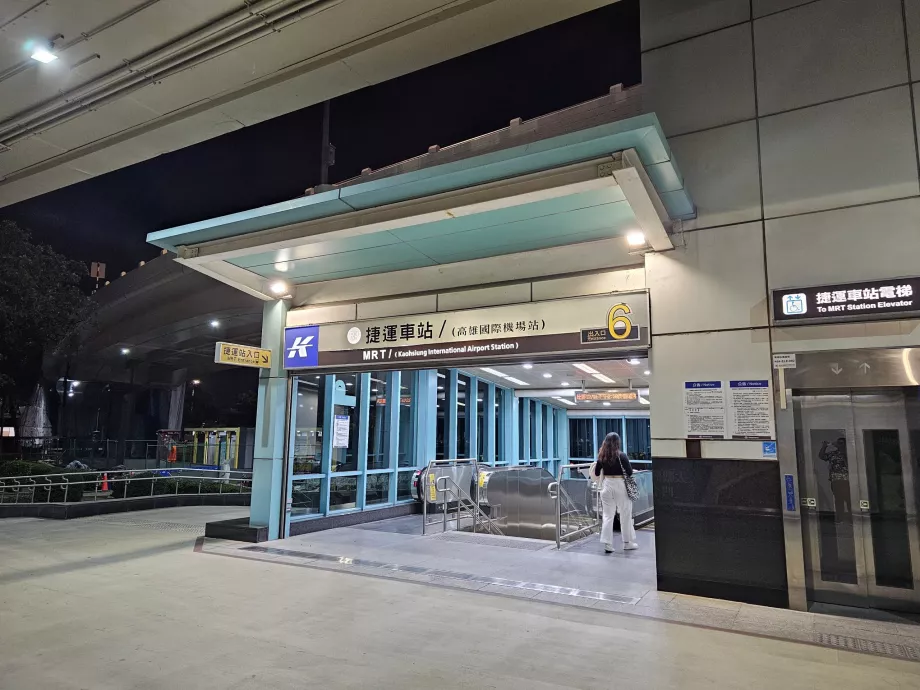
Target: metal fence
82, 486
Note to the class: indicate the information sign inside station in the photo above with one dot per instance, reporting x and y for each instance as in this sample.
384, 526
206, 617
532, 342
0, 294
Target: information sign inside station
848, 301
242, 355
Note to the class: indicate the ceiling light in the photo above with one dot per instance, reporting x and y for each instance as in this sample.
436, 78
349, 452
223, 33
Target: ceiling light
606, 404
517, 381
440, 388
648, 373
633, 361
215, 323
74, 383
43, 55
527, 365
196, 382
635, 238
604, 378
373, 390
567, 402
585, 368
279, 287
494, 372
282, 266
547, 375
125, 351
300, 395
70, 394
349, 384
478, 399
565, 383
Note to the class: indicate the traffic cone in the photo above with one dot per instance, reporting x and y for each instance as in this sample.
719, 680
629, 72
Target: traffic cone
105, 481
172, 454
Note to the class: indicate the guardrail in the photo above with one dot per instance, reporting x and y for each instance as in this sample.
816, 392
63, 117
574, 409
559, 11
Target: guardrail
183, 479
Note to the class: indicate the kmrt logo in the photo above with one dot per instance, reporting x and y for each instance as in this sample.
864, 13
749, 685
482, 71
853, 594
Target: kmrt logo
300, 346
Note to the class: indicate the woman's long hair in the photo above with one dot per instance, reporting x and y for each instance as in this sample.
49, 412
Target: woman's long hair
609, 449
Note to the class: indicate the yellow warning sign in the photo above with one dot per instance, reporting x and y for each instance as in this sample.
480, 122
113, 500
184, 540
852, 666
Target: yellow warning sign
432, 488
242, 355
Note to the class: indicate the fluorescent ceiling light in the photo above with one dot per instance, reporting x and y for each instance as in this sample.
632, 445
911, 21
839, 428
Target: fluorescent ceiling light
517, 381
215, 323
279, 287
633, 361
494, 372
635, 238
648, 373
565, 383
547, 375
604, 378
606, 404
585, 368
564, 401
528, 365
43, 55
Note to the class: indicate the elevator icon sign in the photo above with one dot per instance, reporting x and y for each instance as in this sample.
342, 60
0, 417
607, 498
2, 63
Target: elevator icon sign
301, 347
795, 304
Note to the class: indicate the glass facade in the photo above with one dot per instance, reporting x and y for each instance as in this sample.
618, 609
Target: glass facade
359, 437
587, 433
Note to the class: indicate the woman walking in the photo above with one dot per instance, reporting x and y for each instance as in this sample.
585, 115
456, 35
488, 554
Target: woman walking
611, 467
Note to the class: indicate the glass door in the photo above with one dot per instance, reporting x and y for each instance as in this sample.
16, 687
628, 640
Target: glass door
856, 473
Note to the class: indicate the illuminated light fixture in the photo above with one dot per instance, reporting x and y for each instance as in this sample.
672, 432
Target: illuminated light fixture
460, 404
527, 365
517, 381
635, 238
440, 388
196, 382
564, 401
42, 54
125, 351
373, 390
300, 395
215, 323
633, 361
586, 368
279, 287
606, 404
74, 383
494, 372
547, 375
648, 373
282, 266
565, 383
604, 378
349, 384
70, 394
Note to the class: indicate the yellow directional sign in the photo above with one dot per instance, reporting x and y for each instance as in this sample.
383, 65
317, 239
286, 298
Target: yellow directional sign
242, 355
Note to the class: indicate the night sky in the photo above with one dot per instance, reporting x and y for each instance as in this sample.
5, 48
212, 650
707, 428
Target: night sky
107, 218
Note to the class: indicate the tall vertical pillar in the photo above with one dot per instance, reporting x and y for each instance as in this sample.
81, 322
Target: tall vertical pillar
472, 419
268, 456
426, 409
450, 418
489, 426
511, 420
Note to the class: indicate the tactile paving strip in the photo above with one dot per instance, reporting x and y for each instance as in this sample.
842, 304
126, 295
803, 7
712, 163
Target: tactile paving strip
857, 644
150, 524
466, 577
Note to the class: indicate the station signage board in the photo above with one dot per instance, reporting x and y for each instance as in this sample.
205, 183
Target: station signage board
607, 396
618, 321
242, 355
876, 299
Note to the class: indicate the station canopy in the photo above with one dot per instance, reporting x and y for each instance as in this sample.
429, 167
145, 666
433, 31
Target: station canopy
592, 172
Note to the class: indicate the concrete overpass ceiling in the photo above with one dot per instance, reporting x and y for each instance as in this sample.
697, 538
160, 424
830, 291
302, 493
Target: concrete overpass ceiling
138, 78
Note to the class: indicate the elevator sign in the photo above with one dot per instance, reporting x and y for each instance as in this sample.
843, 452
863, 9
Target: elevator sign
618, 321
847, 302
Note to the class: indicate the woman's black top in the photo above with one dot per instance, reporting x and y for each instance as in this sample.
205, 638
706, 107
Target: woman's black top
616, 467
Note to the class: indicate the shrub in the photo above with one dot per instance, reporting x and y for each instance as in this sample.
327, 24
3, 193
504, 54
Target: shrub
165, 486
74, 492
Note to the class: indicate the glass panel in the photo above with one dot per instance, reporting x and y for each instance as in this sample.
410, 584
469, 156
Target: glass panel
464, 410
482, 396
378, 428
547, 421
499, 427
639, 438
308, 425
581, 438
534, 441
343, 493
836, 539
378, 489
607, 426
346, 459
887, 502
305, 495
520, 426
404, 486
441, 428
407, 436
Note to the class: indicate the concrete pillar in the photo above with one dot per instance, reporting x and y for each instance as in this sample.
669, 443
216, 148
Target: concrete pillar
273, 401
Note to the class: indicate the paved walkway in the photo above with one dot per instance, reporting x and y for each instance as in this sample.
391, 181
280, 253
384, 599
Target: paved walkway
126, 601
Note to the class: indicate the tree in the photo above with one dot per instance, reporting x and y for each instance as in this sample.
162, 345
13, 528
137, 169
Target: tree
41, 307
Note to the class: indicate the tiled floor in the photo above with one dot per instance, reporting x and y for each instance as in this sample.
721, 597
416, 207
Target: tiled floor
579, 575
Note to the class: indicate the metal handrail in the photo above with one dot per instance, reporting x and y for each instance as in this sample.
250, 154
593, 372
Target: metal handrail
132, 471
67, 483
461, 495
557, 492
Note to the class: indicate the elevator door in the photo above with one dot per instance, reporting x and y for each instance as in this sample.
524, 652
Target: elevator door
857, 467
